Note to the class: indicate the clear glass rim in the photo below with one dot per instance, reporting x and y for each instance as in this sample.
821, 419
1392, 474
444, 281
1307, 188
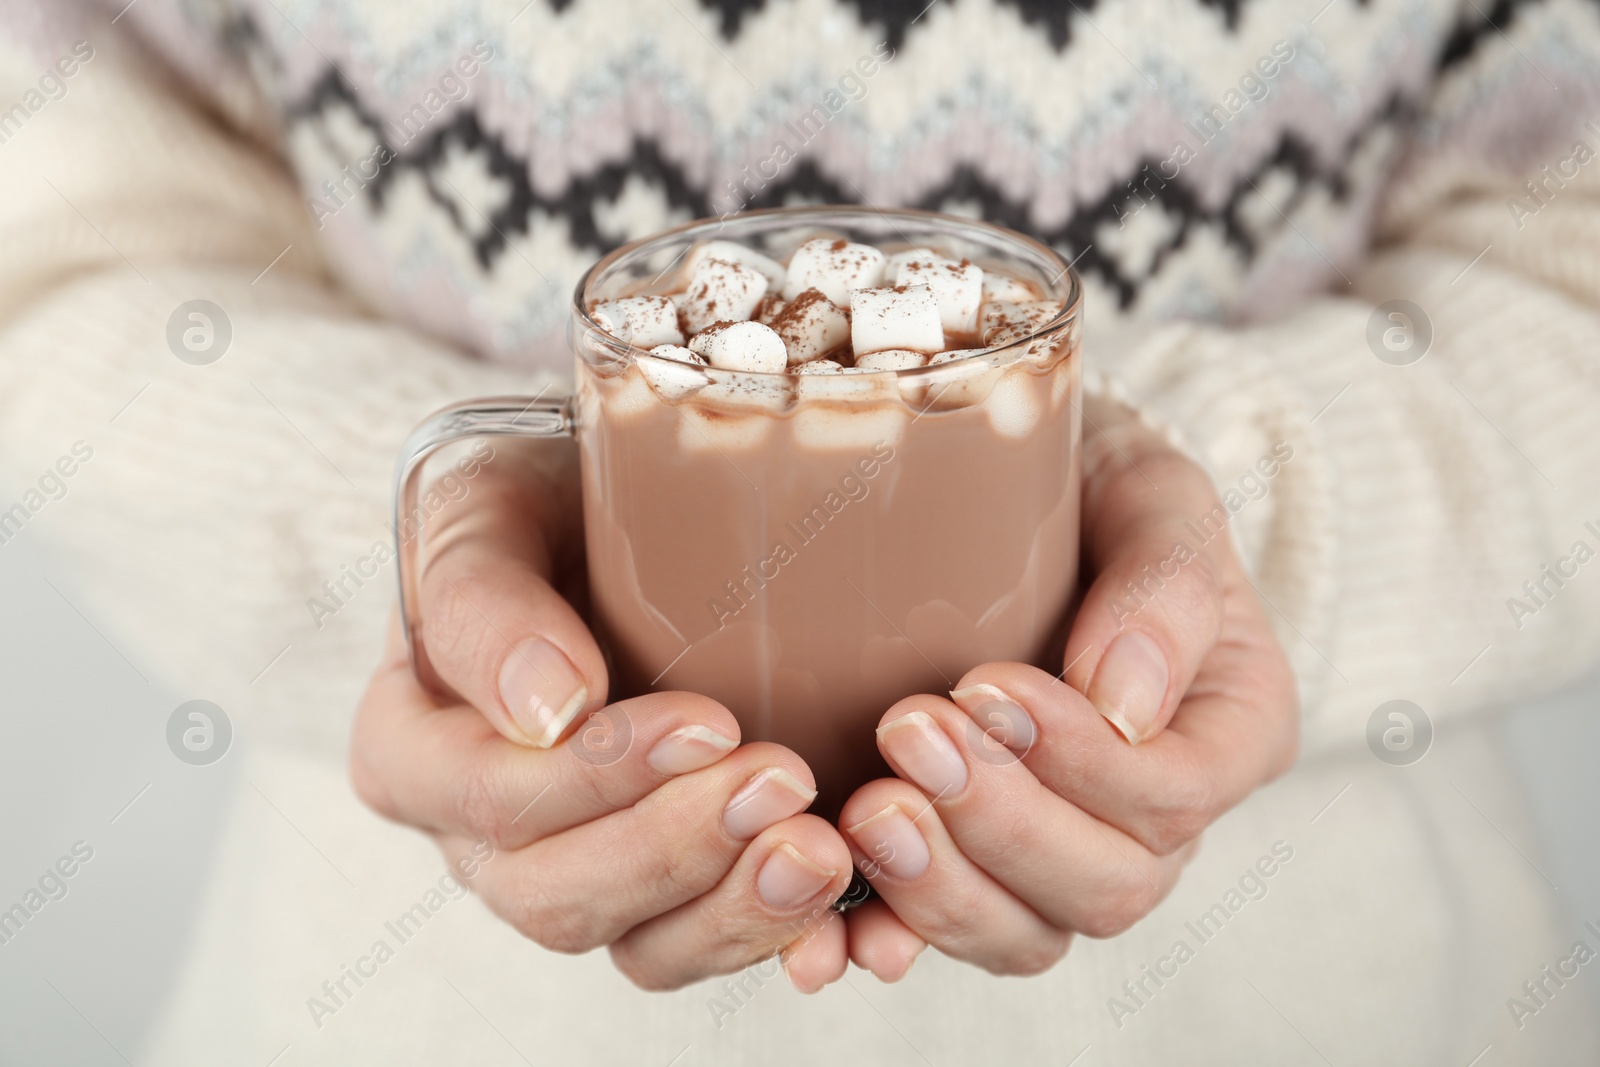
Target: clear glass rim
704, 229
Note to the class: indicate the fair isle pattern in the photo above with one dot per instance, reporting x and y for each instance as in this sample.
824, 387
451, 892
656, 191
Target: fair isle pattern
1195, 158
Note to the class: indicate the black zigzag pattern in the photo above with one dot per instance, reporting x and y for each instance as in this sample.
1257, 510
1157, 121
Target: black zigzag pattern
896, 17
804, 180
1474, 26
1054, 17
1080, 232
1471, 28
1230, 11
426, 153
732, 13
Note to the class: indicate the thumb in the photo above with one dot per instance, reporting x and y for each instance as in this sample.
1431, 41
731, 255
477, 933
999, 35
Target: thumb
1156, 542
492, 627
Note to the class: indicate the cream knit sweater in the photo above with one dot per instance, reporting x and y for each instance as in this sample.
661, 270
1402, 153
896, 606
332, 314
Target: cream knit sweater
1420, 498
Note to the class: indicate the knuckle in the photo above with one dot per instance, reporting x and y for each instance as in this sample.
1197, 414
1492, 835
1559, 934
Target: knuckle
1005, 834
365, 778
956, 921
629, 959
454, 624
369, 785
786, 940
1178, 588
1104, 922
566, 937
1195, 597
604, 792
1186, 807
550, 923
1035, 957
677, 873
480, 807
1122, 908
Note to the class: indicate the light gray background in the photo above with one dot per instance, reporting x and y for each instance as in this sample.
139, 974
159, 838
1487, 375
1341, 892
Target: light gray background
83, 756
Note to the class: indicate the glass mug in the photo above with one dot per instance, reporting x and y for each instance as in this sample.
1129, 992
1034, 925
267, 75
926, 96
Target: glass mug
809, 549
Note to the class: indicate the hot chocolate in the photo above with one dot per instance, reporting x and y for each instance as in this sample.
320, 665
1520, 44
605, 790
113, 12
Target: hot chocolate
825, 480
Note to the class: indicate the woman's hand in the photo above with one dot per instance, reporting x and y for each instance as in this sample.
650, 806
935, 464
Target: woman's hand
649, 830
1029, 808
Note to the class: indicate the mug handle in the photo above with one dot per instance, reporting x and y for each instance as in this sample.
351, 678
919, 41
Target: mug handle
515, 416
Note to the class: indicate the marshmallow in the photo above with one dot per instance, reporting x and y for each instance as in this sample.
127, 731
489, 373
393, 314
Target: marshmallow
846, 385
907, 317
849, 424
769, 309
678, 353
673, 371
747, 346
892, 264
720, 291
641, 321
952, 355
1003, 321
957, 286
819, 380
624, 396
733, 252
811, 325
1005, 287
835, 267
1013, 404
721, 431
890, 359
1047, 349
963, 381
746, 393
1063, 383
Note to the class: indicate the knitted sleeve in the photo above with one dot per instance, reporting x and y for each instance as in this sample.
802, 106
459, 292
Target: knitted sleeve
1430, 538
228, 457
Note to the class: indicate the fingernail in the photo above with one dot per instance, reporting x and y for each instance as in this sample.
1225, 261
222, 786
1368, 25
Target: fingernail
893, 844
1002, 720
925, 752
787, 880
542, 690
1130, 684
765, 800
690, 748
